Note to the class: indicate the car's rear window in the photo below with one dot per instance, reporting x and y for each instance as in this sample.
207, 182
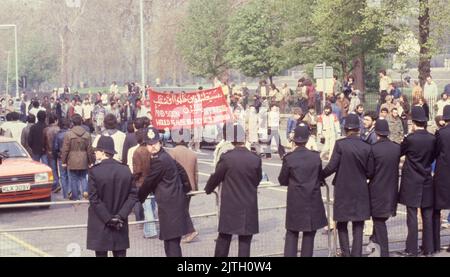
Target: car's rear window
13, 150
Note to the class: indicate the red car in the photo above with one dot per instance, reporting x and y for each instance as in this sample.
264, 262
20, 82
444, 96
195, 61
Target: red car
21, 178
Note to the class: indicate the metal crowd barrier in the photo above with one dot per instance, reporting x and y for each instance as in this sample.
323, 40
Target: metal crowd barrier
15, 236
331, 241
269, 242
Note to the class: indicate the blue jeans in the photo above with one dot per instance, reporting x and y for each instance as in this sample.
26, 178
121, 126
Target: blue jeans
150, 214
40, 158
64, 179
54, 166
77, 179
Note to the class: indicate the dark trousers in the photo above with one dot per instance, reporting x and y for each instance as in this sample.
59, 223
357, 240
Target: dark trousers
223, 245
381, 235
172, 248
437, 230
413, 232
139, 211
358, 228
116, 254
191, 228
291, 244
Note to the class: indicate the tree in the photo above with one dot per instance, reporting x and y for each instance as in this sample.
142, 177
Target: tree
38, 62
255, 40
348, 31
433, 24
202, 39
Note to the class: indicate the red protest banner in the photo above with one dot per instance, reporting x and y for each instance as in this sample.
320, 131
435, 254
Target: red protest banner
193, 109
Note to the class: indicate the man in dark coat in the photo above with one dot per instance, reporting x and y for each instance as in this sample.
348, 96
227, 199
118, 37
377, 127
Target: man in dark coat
169, 182
36, 139
112, 196
369, 135
416, 189
305, 210
353, 163
441, 177
130, 139
240, 172
383, 186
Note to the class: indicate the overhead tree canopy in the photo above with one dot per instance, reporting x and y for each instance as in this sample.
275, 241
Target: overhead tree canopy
255, 40
202, 38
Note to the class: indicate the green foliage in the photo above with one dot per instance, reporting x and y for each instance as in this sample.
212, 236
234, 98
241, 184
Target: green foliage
255, 40
38, 61
372, 66
202, 39
350, 29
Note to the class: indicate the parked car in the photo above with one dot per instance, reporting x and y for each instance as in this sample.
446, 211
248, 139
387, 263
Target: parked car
21, 178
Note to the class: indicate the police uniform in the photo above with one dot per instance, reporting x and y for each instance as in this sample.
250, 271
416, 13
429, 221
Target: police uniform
416, 189
441, 177
169, 182
240, 172
352, 163
305, 210
112, 196
383, 186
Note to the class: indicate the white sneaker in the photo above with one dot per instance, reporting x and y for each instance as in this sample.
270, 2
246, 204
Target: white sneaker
375, 250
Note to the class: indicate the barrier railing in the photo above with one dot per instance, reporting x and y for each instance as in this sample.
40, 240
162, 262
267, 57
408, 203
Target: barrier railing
53, 240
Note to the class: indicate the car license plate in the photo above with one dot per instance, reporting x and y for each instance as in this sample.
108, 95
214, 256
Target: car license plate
16, 188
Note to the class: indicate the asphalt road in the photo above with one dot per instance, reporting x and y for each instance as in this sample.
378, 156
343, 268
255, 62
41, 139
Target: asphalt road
71, 241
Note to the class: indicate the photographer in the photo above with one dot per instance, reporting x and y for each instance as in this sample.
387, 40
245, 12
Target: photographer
112, 196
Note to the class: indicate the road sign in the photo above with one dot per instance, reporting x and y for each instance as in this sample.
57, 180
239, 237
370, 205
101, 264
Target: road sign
319, 71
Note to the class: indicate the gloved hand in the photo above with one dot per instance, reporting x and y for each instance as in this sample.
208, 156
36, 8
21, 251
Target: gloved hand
116, 222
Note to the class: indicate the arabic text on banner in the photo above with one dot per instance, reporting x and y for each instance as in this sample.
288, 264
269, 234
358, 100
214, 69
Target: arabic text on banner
188, 110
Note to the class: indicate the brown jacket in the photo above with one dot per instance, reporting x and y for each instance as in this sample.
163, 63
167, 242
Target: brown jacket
77, 151
49, 135
141, 165
344, 105
188, 160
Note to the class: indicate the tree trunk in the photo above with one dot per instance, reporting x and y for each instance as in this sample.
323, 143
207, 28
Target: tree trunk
344, 68
424, 35
358, 73
65, 49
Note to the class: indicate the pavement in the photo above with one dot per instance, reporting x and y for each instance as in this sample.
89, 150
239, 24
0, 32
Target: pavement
70, 239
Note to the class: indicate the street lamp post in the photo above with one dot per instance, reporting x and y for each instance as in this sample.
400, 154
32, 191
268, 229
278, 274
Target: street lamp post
6, 26
7, 72
142, 45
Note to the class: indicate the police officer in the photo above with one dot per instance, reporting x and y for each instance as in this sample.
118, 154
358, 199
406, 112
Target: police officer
441, 177
416, 189
305, 210
353, 164
168, 181
112, 196
383, 186
240, 172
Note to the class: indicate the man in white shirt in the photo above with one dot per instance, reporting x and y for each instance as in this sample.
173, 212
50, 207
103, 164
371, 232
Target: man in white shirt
14, 127
78, 109
35, 109
328, 130
440, 105
118, 137
430, 90
87, 110
384, 86
114, 89
274, 130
